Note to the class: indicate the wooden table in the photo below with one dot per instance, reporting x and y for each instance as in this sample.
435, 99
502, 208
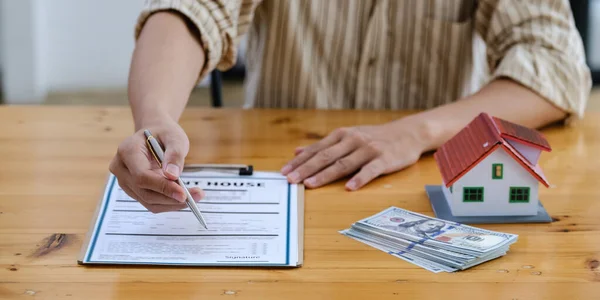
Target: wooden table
55, 162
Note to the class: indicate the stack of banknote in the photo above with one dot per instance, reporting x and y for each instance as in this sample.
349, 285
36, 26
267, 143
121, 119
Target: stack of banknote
434, 244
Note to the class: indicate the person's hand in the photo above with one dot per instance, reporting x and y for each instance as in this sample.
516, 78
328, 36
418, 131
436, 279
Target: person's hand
141, 177
374, 150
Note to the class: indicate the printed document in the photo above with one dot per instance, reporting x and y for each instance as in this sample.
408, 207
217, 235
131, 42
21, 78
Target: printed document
252, 221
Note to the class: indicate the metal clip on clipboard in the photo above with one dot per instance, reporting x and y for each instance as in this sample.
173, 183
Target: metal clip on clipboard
242, 170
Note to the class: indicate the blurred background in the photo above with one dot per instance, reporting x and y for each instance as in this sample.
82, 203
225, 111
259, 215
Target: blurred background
78, 52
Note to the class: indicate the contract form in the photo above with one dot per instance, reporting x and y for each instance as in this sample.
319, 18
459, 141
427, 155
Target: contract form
252, 220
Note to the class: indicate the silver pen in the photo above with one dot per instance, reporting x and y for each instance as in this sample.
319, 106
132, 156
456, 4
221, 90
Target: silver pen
158, 153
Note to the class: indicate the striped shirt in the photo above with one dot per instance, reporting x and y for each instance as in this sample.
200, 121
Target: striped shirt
389, 54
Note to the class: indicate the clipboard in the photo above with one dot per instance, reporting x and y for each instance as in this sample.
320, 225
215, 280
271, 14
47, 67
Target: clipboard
242, 171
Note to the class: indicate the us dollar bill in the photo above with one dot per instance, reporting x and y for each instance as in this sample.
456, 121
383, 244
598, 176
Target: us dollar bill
423, 263
444, 234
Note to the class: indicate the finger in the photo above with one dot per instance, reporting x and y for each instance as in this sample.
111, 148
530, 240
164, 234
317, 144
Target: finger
115, 165
299, 150
139, 168
164, 208
367, 173
129, 191
154, 198
340, 168
176, 149
135, 158
197, 193
117, 168
134, 155
322, 160
313, 149
151, 180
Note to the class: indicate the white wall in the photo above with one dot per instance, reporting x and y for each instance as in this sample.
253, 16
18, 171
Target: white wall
594, 34
65, 45
88, 43
21, 38
496, 191
1, 50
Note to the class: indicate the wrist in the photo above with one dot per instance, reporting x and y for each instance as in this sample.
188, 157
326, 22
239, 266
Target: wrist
151, 118
424, 132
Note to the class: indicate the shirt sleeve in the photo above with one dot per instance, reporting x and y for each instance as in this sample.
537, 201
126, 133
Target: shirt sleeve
536, 43
221, 24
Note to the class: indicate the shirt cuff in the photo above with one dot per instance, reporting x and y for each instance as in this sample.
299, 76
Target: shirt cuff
554, 76
200, 16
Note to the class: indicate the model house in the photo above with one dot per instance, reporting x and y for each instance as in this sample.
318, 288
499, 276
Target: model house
490, 168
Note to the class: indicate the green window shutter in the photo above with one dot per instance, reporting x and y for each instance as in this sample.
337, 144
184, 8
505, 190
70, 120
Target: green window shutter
473, 194
497, 171
451, 189
519, 194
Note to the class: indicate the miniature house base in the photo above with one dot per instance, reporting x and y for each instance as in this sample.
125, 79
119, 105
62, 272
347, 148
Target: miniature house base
442, 210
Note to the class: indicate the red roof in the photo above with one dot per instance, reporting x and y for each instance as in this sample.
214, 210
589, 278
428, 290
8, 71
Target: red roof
480, 138
522, 134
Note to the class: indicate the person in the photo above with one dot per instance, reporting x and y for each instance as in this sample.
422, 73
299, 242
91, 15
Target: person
422, 228
522, 61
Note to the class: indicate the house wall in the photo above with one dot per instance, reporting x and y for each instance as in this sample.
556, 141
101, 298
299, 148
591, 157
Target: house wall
496, 191
530, 153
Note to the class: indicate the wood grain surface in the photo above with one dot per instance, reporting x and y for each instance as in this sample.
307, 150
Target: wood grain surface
55, 163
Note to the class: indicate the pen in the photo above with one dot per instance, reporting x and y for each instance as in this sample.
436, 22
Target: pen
158, 154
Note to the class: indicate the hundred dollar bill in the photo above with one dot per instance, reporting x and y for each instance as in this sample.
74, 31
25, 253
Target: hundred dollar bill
401, 245
398, 243
428, 265
402, 251
444, 234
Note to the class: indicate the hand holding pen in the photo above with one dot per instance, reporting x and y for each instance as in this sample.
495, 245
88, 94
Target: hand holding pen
158, 152
143, 179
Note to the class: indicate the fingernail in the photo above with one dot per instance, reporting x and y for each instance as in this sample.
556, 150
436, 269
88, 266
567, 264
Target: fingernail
311, 182
351, 185
197, 197
178, 196
286, 169
197, 194
294, 176
173, 170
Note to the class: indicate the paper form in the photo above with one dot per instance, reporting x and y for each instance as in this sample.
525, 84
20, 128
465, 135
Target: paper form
252, 220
